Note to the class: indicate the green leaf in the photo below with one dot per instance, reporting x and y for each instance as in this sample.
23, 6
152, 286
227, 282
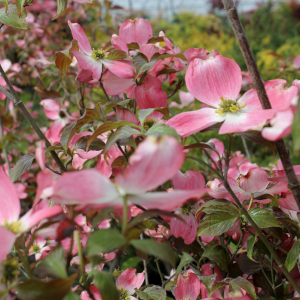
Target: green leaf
130, 263
121, 133
152, 213
217, 254
57, 148
185, 260
20, 4
133, 46
209, 146
153, 292
117, 54
161, 250
67, 134
216, 223
159, 129
143, 113
23, 165
263, 217
96, 144
61, 7
33, 289
72, 296
64, 58
54, 264
106, 285
69, 130
180, 55
247, 265
250, 245
138, 61
218, 285
46, 94
225, 206
107, 126
166, 71
155, 39
11, 17
295, 129
208, 281
105, 240
246, 285
111, 104
5, 4
145, 67
292, 256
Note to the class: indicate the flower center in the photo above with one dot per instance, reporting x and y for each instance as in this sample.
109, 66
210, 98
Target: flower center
62, 114
186, 208
229, 106
35, 248
10, 270
148, 124
15, 227
98, 54
123, 294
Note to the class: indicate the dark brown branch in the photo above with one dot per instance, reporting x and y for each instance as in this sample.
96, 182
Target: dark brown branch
177, 88
262, 94
16, 100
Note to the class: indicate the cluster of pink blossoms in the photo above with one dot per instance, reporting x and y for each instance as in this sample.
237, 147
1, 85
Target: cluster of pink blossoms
138, 169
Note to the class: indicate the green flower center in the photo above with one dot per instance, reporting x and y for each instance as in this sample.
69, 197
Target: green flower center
98, 54
148, 124
186, 208
35, 248
229, 106
123, 294
15, 227
10, 270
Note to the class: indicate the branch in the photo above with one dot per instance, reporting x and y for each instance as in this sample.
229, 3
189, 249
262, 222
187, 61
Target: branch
262, 94
16, 100
177, 88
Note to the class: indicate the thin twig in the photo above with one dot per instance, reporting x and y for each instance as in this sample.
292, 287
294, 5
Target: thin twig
52, 170
81, 101
145, 264
236, 250
4, 149
262, 94
16, 100
246, 148
177, 88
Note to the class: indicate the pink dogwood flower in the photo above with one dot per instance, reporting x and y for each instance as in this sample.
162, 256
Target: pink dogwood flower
59, 115
186, 98
8, 66
281, 124
10, 224
94, 60
216, 81
144, 173
253, 184
149, 94
126, 284
132, 31
188, 286
38, 247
